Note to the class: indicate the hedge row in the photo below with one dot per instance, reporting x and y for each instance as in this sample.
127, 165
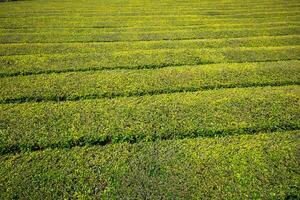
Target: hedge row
263, 166
154, 13
150, 13
279, 23
108, 84
31, 126
89, 35
102, 47
100, 10
87, 22
140, 59
111, 6
129, 18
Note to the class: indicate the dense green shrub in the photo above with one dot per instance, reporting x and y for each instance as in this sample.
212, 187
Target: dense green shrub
109, 84
95, 35
30, 126
140, 59
263, 166
102, 47
149, 99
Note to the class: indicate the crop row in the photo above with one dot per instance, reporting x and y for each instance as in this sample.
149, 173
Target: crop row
154, 4
102, 47
86, 30
47, 63
142, 6
72, 17
95, 35
248, 166
144, 13
86, 22
31, 126
108, 84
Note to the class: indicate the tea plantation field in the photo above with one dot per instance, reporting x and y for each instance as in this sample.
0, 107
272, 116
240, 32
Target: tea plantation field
150, 99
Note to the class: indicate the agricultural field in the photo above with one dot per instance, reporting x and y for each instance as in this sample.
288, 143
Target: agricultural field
150, 99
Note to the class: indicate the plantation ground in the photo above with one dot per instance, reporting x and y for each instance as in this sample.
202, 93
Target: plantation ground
149, 99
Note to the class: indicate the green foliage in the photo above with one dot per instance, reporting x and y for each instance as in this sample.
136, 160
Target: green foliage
102, 47
96, 36
263, 166
7, 0
139, 59
116, 22
32, 126
149, 99
109, 84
